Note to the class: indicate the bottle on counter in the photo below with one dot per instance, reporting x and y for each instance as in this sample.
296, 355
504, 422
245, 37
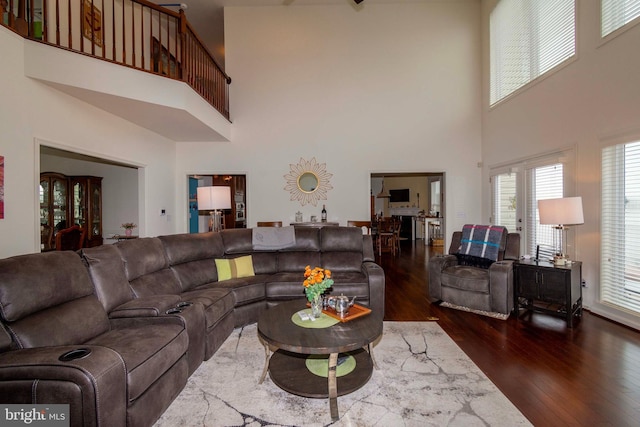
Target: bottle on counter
323, 216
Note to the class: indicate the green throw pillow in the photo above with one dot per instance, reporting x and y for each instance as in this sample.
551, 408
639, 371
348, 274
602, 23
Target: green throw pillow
234, 267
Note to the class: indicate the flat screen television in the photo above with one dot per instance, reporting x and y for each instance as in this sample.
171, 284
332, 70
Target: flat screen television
401, 195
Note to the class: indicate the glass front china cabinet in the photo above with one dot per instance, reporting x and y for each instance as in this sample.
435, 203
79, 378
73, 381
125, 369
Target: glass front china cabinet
54, 203
86, 203
70, 200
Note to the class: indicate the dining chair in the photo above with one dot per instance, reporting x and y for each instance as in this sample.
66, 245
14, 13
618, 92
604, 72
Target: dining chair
397, 225
364, 225
70, 239
435, 233
386, 237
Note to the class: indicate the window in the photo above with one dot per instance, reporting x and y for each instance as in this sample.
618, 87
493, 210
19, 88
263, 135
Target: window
620, 246
527, 39
617, 13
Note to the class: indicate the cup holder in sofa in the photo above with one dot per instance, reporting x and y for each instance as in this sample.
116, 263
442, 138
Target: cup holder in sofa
78, 353
179, 307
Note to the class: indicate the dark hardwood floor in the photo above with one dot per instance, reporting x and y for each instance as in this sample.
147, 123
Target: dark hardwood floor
556, 376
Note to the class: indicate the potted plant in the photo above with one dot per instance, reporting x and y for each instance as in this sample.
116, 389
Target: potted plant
128, 228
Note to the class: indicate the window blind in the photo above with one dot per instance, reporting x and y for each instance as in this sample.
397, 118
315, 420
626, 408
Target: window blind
617, 13
620, 245
527, 39
544, 182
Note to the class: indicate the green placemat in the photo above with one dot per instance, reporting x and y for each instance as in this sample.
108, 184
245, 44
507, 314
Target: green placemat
318, 364
323, 321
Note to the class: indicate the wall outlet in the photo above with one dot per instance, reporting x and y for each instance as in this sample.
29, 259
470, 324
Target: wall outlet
584, 283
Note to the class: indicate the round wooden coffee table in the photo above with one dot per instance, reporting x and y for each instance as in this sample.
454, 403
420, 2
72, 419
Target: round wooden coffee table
292, 344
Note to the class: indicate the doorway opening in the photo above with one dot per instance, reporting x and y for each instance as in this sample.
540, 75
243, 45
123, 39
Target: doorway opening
92, 192
416, 198
235, 217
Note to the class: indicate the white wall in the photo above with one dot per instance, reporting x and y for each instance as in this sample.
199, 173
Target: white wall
388, 88
593, 99
32, 111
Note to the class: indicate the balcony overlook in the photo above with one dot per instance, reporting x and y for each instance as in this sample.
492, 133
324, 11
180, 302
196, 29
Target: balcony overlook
132, 58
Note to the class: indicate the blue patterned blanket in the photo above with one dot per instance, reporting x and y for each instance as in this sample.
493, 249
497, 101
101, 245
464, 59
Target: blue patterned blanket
483, 241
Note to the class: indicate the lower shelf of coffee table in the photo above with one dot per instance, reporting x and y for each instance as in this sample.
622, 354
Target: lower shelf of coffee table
289, 372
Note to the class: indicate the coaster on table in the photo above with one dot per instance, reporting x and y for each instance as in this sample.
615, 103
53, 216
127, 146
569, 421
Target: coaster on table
324, 321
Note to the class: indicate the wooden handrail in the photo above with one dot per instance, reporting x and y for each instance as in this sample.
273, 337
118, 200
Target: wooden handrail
133, 33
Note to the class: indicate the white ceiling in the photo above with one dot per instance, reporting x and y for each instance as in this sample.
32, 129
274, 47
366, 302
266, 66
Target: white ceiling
207, 17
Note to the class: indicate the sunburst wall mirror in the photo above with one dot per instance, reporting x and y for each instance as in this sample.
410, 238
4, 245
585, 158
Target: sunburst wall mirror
308, 181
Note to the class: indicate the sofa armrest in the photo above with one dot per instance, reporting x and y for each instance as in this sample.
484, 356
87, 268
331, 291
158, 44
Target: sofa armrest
436, 265
151, 306
375, 276
367, 248
154, 310
94, 386
501, 283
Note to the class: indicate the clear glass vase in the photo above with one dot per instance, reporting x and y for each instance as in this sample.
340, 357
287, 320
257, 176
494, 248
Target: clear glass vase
316, 306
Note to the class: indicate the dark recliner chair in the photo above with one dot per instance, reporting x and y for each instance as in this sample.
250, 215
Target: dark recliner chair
479, 287
57, 346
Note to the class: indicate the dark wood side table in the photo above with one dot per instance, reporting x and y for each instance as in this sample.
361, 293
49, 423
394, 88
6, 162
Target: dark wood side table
544, 287
292, 344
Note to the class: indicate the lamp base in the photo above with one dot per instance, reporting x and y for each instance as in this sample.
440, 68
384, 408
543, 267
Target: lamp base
216, 221
560, 260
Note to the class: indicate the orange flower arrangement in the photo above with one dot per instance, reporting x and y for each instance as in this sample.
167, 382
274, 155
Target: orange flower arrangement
317, 280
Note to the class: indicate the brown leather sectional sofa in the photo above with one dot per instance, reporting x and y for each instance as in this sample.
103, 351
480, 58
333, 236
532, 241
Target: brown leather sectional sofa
115, 331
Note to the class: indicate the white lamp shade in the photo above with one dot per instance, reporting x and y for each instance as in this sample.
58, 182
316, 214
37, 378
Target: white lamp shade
563, 211
216, 197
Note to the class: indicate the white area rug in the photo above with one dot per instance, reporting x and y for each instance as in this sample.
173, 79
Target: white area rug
424, 379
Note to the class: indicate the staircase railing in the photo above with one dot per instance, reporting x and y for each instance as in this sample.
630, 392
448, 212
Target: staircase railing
133, 33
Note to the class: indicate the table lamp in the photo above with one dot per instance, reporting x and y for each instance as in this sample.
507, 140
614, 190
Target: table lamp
561, 213
212, 199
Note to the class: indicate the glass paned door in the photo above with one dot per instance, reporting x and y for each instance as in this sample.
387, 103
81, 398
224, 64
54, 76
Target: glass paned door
505, 201
515, 195
543, 182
